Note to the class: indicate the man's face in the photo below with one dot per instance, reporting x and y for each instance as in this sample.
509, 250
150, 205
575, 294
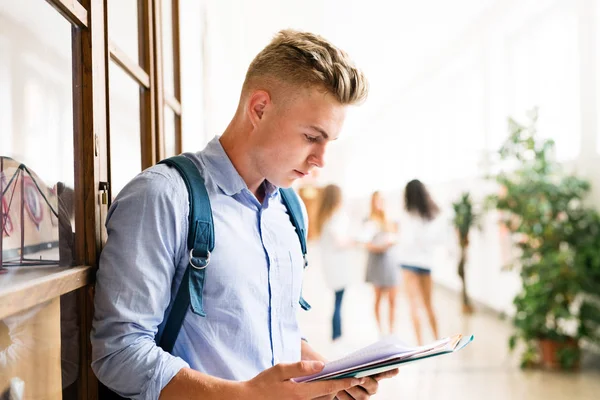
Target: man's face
291, 137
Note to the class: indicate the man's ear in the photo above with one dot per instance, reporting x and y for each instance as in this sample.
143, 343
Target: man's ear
257, 104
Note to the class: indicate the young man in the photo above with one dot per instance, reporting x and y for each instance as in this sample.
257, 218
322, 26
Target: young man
293, 103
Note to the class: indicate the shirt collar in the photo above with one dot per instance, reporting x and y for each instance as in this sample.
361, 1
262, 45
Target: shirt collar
224, 173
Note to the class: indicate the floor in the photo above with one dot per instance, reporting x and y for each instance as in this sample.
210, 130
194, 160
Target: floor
483, 370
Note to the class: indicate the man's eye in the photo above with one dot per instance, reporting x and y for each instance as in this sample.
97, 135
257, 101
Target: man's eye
311, 139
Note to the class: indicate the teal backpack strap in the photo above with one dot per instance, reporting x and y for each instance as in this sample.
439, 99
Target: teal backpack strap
292, 203
200, 242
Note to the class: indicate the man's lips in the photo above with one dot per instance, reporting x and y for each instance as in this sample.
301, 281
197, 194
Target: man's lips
300, 173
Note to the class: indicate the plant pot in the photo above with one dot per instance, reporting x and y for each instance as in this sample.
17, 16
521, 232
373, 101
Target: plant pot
550, 353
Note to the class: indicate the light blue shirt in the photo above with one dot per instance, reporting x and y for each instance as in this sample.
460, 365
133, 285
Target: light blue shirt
251, 292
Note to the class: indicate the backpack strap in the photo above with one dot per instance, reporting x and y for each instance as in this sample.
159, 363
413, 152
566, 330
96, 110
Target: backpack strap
200, 242
292, 203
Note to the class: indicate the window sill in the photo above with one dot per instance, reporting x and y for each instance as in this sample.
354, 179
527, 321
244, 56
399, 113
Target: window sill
25, 287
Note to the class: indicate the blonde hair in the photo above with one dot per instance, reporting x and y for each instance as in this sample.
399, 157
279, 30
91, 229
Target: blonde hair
305, 59
377, 214
330, 200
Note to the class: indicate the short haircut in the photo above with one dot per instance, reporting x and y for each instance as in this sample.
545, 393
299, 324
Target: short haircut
305, 59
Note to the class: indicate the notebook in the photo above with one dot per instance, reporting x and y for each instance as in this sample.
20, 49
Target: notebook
384, 355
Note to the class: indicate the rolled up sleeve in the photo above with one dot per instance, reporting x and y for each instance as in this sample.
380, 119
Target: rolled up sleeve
146, 226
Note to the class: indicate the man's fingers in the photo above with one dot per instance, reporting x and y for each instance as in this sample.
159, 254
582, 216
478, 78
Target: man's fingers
370, 386
322, 388
343, 396
298, 369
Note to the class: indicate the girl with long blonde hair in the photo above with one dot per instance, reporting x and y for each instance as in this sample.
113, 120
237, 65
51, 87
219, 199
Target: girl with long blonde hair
332, 226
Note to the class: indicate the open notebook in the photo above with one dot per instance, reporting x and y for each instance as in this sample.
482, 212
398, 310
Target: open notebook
384, 355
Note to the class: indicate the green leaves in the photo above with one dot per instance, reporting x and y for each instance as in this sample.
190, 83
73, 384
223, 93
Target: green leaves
464, 215
559, 239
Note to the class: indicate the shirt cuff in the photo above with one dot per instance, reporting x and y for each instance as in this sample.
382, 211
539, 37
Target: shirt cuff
162, 376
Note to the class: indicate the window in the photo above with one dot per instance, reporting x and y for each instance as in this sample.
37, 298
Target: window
125, 129
597, 39
39, 337
171, 93
37, 131
83, 125
543, 71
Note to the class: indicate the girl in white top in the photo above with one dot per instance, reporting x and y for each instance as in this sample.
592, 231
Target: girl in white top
332, 226
418, 235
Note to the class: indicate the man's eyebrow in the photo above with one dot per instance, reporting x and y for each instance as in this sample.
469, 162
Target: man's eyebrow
320, 130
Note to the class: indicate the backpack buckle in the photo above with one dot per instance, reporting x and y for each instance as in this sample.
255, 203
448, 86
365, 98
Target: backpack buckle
204, 261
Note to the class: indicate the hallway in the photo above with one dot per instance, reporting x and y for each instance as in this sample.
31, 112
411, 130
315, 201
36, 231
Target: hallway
483, 370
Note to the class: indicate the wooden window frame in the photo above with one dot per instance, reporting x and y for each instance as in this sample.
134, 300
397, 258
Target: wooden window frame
88, 72
148, 73
163, 98
91, 53
72, 10
131, 68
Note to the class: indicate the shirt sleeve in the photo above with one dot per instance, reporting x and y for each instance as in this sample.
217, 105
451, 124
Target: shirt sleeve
146, 226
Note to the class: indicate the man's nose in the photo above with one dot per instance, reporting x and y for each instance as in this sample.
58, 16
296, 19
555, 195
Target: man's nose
317, 158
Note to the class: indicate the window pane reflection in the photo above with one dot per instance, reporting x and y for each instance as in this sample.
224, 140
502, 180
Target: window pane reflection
36, 144
167, 46
170, 148
125, 142
39, 356
39, 351
123, 26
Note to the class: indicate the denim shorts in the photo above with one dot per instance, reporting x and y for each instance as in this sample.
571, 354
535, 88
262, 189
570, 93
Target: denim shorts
417, 270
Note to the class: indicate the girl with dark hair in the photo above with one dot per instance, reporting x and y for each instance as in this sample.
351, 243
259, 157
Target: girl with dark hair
332, 226
416, 240
381, 269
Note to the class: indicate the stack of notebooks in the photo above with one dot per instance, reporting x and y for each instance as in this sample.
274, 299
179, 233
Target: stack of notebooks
384, 355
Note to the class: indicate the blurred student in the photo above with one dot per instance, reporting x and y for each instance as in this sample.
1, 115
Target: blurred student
332, 226
382, 271
418, 235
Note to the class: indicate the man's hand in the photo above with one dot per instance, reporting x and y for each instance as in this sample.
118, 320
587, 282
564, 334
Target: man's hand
367, 389
276, 383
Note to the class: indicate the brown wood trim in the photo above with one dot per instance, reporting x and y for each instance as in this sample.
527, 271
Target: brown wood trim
173, 104
90, 97
72, 10
177, 73
90, 64
158, 74
88, 384
147, 97
128, 65
31, 287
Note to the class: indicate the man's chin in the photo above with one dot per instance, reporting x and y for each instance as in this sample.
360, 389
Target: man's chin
287, 184
284, 183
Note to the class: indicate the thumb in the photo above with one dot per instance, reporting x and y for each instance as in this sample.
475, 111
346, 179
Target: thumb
301, 368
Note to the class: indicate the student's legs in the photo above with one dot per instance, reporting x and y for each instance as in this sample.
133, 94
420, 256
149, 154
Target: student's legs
337, 314
392, 306
425, 284
378, 293
411, 285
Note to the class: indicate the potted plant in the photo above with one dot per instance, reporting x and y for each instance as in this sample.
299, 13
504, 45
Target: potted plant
464, 219
559, 242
